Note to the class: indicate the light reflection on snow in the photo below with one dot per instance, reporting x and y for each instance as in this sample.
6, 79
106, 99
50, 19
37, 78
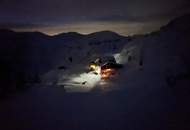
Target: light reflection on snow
90, 79
122, 57
119, 58
83, 82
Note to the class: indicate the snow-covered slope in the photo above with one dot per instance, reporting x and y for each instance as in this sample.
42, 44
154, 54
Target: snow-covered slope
161, 57
32, 56
26, 57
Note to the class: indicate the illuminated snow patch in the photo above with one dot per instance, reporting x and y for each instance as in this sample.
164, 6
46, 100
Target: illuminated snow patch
90, 79
120, 58
82, 83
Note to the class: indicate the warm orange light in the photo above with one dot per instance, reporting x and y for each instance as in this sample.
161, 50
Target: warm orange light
107, 70
107, 73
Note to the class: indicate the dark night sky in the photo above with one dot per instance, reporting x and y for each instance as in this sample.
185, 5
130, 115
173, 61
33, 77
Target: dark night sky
85, 16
